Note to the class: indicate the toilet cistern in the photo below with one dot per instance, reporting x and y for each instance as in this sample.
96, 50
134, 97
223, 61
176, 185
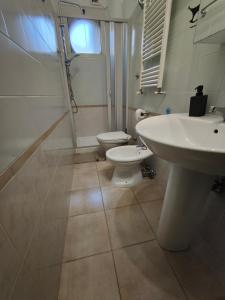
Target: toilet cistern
113, 139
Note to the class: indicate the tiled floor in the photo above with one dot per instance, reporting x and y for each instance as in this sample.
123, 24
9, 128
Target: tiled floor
111, 252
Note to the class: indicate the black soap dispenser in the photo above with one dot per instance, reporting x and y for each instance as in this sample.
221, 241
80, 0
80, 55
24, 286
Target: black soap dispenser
198, 103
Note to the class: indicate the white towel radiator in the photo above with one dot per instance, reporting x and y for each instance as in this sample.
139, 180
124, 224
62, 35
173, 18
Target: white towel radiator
155, 32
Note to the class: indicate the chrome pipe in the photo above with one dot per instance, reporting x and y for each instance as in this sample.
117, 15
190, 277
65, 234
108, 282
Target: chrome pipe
72, 4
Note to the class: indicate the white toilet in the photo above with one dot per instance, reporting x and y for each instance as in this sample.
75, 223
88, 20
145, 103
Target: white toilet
126, 160
113, 139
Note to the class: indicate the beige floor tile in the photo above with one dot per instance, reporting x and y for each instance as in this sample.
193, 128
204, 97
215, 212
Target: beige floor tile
152, 210
149, 190
47, 245
9, 265
105, 177
117, 197
37, 284
213, 258
88, 165
196, 276
86, 235
91, 278
128, 226
144, 274
102, 165
85, 157
84, 179
85, 201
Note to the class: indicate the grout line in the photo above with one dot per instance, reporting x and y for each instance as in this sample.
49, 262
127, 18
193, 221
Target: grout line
127, 246
80, 163
84, 257
20, 47
134, 244
72, 190
174, 273
84, 214
110, 241
101, 210
24, 257
29, 96
149, 224
124, 206
83, 188
88, 214
172, 269
150, 201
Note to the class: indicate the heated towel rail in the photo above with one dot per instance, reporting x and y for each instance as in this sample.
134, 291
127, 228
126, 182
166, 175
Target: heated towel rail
155, 32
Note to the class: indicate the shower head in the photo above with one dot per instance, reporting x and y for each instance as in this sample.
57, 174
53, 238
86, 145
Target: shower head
72, 4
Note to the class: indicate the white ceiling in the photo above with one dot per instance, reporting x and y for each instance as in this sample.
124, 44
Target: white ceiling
116, 8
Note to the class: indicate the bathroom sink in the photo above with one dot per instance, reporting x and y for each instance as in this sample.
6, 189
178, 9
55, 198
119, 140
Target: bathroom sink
196, 143
195, 147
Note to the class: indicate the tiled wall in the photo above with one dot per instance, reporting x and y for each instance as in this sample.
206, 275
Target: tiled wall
33, 205
33, 217
31, 89
187, 65
91, 120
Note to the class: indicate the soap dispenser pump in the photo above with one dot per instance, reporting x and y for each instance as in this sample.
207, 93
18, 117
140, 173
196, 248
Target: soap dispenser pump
198, 103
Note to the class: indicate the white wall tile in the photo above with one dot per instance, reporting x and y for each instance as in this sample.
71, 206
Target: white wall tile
31, 88
91, 121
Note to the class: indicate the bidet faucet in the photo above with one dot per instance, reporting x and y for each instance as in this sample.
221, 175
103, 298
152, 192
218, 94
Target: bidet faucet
219, 109
142, 146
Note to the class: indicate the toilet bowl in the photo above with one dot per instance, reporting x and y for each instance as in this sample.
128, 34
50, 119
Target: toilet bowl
126, 160
113, 139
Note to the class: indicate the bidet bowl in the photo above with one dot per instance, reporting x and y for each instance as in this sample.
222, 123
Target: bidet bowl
127, 159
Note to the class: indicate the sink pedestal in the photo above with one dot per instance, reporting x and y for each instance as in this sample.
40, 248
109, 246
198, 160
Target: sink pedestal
184, 201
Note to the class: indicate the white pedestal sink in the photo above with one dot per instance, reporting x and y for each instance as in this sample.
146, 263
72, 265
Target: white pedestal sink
196, 148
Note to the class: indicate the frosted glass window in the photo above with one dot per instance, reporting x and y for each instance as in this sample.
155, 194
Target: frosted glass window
85, 36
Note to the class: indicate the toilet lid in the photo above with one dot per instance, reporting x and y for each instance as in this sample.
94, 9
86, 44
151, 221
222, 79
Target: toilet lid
114, 136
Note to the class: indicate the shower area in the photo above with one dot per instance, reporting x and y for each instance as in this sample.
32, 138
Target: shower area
96, 61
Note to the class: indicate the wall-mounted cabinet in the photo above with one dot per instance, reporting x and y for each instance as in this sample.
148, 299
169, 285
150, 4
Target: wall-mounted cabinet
211, 22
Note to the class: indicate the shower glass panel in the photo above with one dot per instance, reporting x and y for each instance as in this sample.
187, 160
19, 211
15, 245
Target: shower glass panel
118, 62
88, 79
98, 79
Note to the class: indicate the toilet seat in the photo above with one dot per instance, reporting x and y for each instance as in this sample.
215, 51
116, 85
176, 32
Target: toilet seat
113, 137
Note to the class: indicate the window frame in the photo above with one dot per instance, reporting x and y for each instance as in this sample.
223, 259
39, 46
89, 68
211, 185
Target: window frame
69, 21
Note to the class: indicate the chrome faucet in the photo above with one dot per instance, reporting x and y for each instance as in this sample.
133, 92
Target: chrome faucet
142, 146
219, 109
